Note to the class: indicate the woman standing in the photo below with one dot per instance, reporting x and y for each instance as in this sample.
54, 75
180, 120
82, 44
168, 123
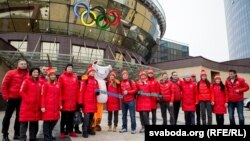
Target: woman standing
113, 103
50, 104
30, 110
219, 100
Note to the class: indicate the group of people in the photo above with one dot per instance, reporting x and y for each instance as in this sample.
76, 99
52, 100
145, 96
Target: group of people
41, 96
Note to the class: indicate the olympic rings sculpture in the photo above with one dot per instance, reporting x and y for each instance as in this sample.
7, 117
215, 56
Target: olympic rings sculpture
111, 17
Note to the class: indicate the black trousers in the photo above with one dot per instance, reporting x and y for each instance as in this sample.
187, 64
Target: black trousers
177, 105
48, 127
87, 122
220, 119
33, 130
12, 105
153, 112
198, 114
206, 107
110, 116
144, 118
67, 120
164, 107
189, 118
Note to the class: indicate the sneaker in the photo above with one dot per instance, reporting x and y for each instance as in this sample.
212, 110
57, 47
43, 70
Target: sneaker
73, 134
85, 134
123, 130
6, 138
110, 128
16, 137
53, 138
114, 129
142, 130
78, 131
62, 136
133, 132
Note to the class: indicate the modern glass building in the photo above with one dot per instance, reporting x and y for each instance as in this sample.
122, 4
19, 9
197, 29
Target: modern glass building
238, 28
117, 32
168, 50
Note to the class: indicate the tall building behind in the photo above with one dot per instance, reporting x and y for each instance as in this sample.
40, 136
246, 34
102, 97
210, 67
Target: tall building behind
238, 28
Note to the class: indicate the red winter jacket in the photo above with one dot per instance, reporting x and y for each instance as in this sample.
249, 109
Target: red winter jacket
177, 90
87, 95
143, 103
70, 89
238, 84
219, 98
166, 90
131, 88
204, 93
51, 101
155, 88
30, 109
113, 103
189, 96
12, 82
42, 79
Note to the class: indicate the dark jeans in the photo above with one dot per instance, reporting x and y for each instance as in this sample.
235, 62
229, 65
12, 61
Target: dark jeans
153, 112
67, 119
12, 105
87, 122
239, 107
164, 107
189, 118
177, 105
48, 127
33, 130
198, 114
206, 107
144, 118
128, 106
220, 119
110, 115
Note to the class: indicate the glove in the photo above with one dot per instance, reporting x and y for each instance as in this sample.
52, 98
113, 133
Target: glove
97, 92
139, 92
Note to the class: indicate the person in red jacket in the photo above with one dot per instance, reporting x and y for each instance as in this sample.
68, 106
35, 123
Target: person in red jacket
143, 102
113, 103
219, 100
69, 88
44, 74
154, 86
11, 85
235, 88
198, 109
30, 110
204, 89
128, 90
88, 98
177, 94
51, 104
166, 90
189, 99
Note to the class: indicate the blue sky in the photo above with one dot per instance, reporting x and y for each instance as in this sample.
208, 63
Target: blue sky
200, 24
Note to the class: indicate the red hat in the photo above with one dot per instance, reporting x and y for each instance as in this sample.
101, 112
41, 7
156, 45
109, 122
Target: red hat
193, 75
203, 72
150, 70
217, 77
125, 71
113, 73
142, 72
51, 71
90, 68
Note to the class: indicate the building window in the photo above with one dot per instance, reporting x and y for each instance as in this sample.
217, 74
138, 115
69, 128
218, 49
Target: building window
86, 54
119, 57
52, 49
20, 45
133, 61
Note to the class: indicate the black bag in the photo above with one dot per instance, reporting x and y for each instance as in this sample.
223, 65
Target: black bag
78, 118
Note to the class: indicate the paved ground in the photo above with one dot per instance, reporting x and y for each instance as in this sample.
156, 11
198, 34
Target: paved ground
110, 136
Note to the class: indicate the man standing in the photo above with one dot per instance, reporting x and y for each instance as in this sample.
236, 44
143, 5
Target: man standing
44, 75
198, 112
11, 85
235, 88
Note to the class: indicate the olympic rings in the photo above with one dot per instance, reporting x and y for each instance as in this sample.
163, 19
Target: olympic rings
111, 17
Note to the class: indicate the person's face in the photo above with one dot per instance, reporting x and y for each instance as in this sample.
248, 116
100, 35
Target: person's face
164, 76
35, 74
143, 77
22, 65
52, 77
125, 76
69, 69
150, 74
232, 75
92, 73
175, 76
45, 70
193, 78
217, 81
204, 77
187, 79
111, 77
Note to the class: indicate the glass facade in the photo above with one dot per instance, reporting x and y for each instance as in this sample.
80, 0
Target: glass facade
169, 50
238, 28
137, 31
